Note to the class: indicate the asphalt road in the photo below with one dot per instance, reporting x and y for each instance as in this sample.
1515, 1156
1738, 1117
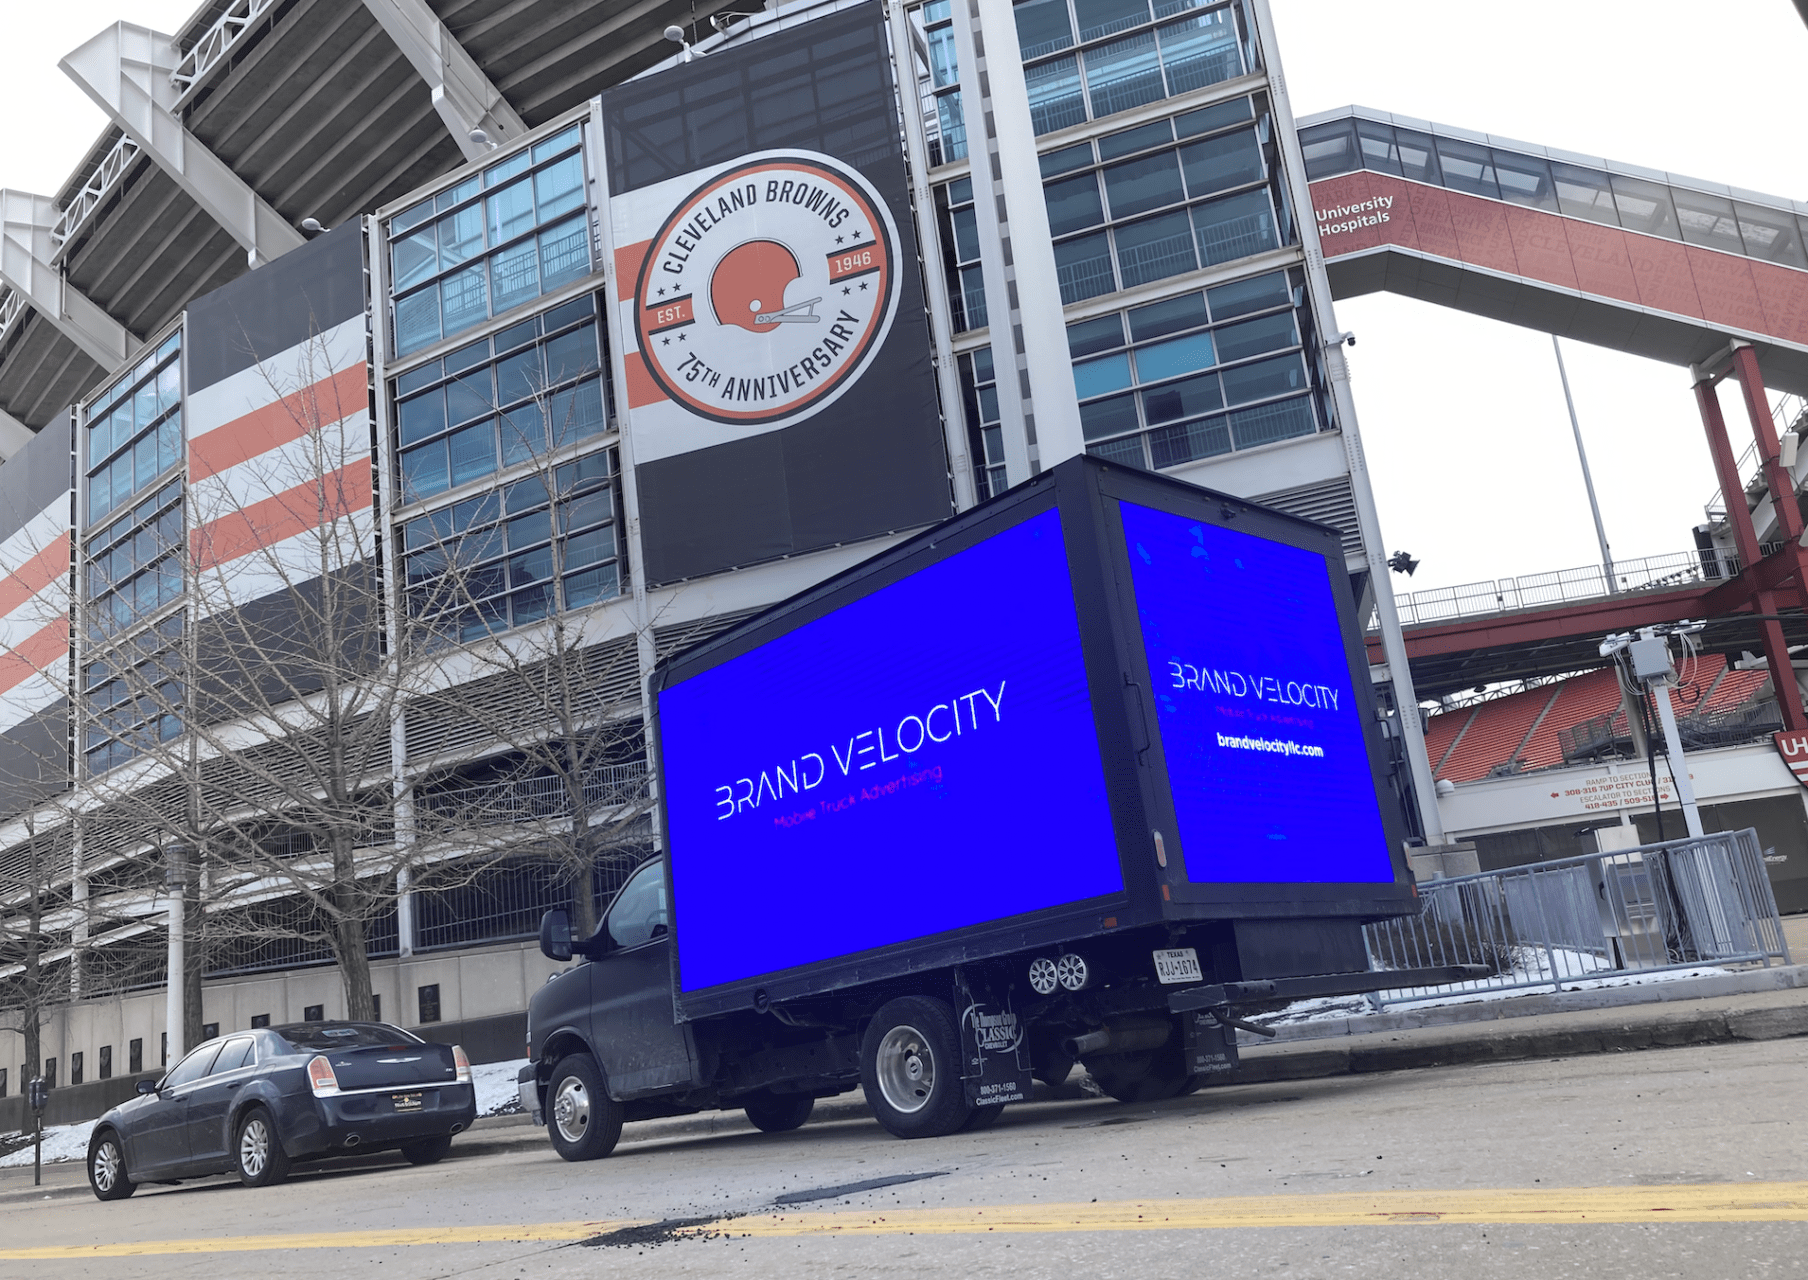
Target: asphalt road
1682, 1162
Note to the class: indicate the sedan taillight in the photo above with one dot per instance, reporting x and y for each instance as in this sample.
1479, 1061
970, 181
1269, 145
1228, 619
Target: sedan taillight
321, 1078
462, 1064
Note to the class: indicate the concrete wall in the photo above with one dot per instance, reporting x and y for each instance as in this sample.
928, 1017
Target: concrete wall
483, 992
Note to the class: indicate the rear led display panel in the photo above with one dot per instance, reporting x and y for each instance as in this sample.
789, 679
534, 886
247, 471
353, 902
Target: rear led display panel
922, 759
1259, 721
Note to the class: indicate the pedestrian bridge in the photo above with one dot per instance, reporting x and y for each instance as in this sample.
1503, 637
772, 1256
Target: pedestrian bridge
1612, 254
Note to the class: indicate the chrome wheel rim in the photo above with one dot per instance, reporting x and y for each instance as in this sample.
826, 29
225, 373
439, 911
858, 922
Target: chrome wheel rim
107, 1166
906, 1069
571, 1109
254, 1148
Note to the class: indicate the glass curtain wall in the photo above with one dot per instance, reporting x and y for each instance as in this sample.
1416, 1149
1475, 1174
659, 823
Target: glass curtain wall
132, 569
505, 470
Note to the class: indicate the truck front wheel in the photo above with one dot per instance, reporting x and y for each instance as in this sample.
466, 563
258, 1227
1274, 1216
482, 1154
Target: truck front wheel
583, 1121
910, 1068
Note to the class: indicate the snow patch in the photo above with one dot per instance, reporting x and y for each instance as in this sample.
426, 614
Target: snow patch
61, 1142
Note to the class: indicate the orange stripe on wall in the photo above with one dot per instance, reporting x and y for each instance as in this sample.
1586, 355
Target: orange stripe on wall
627, 267
263, 524
642, 390
33, 654
34, 575
290, 418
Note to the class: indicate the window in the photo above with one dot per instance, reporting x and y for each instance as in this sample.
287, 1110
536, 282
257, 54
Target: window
2, 1082
134, 431
1170, 209
193, 1067
376, 1007
134, 695
985, 433
163, 1051
135, 1056
639, 912
506, 399
106, 1062
1196, 375
50, 1073
259, 1020
235, 1053
313, 1013
75, 1068
1128, 54
209, 1030
428, 1000
518, 553
944, 120
496, 240
960, 253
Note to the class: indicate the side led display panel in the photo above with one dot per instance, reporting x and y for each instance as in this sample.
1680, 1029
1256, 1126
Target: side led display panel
921, 759
1258, 717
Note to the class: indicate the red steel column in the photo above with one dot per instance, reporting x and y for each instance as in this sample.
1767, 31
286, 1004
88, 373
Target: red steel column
1745, 538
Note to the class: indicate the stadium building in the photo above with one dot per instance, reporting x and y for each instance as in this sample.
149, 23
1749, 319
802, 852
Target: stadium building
482, 352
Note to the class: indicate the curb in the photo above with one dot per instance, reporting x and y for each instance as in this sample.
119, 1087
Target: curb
1537, 1004
1593, 1036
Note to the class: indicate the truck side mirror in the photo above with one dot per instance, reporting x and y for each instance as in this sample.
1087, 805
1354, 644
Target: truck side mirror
555, 935
147, 1086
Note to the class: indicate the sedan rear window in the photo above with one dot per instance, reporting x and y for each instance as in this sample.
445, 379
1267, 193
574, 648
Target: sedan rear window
344, 1035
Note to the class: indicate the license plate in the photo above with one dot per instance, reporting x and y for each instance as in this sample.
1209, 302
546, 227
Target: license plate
412, 1101
1178, 965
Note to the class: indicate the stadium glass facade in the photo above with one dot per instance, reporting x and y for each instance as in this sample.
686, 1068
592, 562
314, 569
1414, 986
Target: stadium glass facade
1187, 341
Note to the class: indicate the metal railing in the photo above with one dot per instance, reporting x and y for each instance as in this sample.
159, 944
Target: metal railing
105, 177
1659, 906
216, 43
1788, 410
543, 797
1610, 734
1560, 586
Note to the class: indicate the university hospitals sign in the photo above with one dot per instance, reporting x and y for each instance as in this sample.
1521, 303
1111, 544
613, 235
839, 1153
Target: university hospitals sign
1793, 747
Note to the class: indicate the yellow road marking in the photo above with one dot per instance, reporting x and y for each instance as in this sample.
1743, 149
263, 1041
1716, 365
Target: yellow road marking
1743, 1202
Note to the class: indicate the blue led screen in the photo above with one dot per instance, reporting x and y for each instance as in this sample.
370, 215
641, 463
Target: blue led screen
921, 759
1258, 717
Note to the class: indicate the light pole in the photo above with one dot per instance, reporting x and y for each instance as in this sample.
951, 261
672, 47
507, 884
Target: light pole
175, 883
1588, 480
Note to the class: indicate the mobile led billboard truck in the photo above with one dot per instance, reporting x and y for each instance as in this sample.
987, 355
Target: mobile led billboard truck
1066, 777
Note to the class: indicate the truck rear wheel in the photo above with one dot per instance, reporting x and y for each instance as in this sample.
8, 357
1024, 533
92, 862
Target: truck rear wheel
583, 1121
910, 1067
779, 1112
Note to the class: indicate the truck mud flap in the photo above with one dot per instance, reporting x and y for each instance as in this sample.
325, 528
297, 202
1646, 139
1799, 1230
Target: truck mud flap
996, 1066
1211, 1046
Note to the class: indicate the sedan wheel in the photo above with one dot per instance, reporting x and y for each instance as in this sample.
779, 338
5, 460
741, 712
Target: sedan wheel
262, 1162
107, 1169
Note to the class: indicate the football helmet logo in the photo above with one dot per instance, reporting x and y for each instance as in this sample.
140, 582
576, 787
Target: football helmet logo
747, 288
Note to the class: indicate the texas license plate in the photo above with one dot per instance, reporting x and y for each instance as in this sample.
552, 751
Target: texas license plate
412, 1101
1178, 965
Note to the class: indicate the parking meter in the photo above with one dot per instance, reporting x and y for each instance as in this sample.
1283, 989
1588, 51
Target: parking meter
37, 1093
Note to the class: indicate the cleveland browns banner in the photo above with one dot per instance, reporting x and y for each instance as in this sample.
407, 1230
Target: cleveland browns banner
780, 393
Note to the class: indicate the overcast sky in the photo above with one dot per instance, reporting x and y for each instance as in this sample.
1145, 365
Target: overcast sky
1462, 418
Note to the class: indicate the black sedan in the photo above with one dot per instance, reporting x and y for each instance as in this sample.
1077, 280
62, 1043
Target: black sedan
254, 1102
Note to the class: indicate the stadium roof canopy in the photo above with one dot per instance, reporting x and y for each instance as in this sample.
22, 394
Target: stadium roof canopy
315, 108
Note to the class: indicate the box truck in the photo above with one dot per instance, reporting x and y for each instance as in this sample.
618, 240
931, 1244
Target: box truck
1066, 778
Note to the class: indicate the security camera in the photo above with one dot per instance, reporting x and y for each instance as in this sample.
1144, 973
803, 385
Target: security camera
675, 34
1346, 338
